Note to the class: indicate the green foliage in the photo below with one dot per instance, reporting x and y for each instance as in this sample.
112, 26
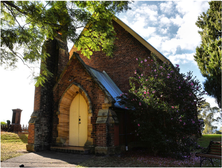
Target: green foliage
207, 114
27, 24
3, 123
164, 105
218, 132
208, 54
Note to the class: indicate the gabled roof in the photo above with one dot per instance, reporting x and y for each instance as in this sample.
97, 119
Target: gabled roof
108, 83
101, 78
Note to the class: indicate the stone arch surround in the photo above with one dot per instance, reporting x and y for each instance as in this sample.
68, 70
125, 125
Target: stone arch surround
63, 114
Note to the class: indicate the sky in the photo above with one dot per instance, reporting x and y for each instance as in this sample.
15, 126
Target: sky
169, 26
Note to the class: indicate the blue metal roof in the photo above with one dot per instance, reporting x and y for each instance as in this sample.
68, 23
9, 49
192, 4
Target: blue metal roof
108, 83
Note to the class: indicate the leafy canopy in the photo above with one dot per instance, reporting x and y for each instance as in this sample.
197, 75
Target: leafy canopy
208, 115
208, 54
164, 103
27, 24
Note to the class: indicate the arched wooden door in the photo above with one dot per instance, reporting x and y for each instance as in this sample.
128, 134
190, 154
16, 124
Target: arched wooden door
78, 121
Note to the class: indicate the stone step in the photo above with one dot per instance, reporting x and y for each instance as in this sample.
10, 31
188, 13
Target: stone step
71, 149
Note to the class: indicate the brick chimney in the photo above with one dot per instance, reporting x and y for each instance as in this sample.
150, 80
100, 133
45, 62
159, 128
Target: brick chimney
16, 118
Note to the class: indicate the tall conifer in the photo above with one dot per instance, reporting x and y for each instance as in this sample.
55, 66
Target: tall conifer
208, 54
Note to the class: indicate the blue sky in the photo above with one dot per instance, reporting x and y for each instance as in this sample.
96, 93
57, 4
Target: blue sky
169, 26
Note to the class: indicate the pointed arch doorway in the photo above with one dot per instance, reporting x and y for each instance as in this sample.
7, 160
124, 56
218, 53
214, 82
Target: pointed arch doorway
78, 121
68, 126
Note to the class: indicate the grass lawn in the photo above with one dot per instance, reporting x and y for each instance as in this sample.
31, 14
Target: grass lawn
12, 145
205, 139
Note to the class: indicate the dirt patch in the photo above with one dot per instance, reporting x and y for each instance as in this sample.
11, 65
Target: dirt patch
141, 158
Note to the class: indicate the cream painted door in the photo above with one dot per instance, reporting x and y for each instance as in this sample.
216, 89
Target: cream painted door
78, 121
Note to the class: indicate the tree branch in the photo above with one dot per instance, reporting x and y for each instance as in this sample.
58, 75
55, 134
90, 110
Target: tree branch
46, 5
7, 3
12, 5
20, 58
14, 17
80, 27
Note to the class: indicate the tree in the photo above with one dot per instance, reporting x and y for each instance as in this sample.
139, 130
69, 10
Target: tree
208, 54
27, 24
208, 115
220, 131
3, 123
163, 103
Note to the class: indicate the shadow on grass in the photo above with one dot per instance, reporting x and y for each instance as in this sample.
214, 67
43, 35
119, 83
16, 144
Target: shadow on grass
23, 137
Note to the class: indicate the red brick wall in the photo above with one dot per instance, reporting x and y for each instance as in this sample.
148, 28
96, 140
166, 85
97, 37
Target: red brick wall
101, 139
31, 131
123, 64
37, 98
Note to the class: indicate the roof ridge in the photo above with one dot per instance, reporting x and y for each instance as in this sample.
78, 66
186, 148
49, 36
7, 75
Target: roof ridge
93, 68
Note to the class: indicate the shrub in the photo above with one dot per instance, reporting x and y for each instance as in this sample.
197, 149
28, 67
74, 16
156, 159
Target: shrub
164, 103
217, 132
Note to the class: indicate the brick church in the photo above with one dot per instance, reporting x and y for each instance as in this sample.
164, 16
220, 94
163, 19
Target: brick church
77, 107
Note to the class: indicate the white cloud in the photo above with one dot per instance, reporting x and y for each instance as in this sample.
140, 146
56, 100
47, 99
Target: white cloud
187, 37
170, 45
194, 7
156, 41
163, 20
166, 7
146, 11
211, 100
178, 21
182, 58
125, 20
188, 31
139, 27
140, 17
164, 31
138, 21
